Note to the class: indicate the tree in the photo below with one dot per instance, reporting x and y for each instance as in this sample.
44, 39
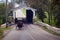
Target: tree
56, 11
9, 7
18, 1
41, 14
39, 4
50, 6
2, 12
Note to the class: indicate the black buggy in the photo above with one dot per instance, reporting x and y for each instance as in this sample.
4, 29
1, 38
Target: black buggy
19, 23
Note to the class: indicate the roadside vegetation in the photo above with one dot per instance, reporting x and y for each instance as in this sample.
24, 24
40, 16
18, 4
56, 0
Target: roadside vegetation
1, 33
44, 28
3, 17
3, 30
47, 11
2, 12
50, 31
24, 11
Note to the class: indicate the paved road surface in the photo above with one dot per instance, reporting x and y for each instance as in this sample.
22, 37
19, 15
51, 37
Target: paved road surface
30, 32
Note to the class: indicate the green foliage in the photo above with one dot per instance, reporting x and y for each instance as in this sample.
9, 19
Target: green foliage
51, 6
1, 33
50, 31
18, 1
46, 20
9, 18
24, 11
3, 29
0, 22
56, 11
2, 8
52, 22
37, 19
10, 13
46, 13
2, 12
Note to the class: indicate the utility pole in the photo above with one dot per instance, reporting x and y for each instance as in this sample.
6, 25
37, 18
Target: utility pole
6, 14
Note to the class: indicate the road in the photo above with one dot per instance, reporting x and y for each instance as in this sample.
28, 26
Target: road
30, 32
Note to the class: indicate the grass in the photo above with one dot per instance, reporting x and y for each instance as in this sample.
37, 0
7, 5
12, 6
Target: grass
52, 23
4, 29
50, 31
9, 28
1, 33
44, 28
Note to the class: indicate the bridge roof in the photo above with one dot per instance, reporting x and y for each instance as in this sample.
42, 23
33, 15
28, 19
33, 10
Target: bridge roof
17, 6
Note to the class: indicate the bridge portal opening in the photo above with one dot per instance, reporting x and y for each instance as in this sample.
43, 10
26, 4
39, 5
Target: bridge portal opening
29, 16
